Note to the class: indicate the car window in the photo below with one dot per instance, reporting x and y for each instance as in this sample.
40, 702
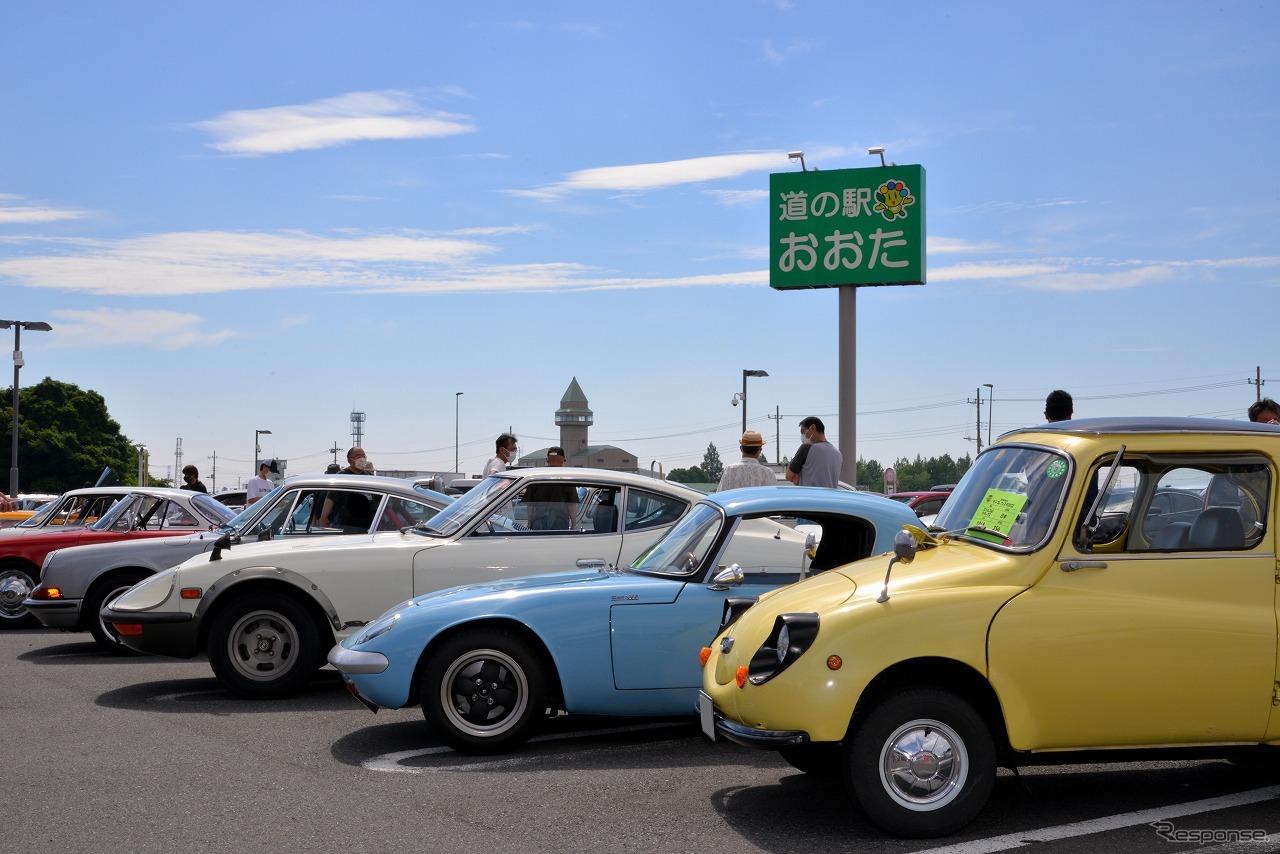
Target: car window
928, 507
647, 509
1187, 504
403, 512
561, 507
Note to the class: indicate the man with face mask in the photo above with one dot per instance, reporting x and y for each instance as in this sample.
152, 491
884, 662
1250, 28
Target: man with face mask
504, 452
817, 462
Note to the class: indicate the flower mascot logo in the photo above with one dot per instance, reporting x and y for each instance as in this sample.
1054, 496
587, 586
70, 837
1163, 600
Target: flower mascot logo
892, 200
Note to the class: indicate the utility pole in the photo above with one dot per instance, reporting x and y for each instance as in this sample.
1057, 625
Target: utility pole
1257, 381
177, 457
978, 403
334, 450
213, 473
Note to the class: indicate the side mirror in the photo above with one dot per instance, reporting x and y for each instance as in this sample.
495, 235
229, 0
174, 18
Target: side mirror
730, 576
810, 545
904, 546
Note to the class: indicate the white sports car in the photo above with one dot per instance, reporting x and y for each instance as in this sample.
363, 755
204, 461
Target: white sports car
268, 612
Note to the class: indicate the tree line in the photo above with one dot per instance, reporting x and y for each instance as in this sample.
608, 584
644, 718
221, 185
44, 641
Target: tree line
916, 475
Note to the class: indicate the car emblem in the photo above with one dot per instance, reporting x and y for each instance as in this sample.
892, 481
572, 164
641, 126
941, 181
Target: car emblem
726, 644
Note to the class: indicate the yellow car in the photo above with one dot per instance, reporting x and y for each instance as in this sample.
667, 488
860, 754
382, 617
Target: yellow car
1100, 584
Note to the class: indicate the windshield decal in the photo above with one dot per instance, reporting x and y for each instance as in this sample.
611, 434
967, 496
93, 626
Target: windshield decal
994, 518
1057, 468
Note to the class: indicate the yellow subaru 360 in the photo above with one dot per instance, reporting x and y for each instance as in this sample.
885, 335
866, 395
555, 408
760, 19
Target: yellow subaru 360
1103, 585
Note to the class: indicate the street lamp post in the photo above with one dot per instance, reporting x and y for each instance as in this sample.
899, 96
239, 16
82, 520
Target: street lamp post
990, 395
743, 398
257, 450
457, 395
18, 326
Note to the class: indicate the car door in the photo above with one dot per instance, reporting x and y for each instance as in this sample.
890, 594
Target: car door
654, 645
1138, 646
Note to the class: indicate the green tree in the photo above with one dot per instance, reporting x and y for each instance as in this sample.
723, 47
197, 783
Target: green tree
711, 465
65, 438
693, 474
870, 475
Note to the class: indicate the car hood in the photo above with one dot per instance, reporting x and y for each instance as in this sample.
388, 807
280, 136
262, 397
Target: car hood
639, 589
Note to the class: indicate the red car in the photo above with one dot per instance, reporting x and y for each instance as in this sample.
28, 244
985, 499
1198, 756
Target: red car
94, 515
923, 503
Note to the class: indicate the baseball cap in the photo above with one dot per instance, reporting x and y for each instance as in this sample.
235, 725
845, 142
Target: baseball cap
555, 451
751, 439
271, 465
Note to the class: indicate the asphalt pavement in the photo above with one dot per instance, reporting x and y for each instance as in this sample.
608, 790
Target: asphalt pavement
143, 754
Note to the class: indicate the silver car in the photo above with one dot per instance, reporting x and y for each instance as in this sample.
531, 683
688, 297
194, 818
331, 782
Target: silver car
75, 583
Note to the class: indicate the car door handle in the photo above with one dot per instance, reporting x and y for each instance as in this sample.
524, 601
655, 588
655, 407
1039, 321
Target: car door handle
1073, 565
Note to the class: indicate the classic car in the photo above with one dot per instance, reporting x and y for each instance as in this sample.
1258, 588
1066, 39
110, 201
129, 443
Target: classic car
119, 513
1029, 626
923, 503
267, 613
603, 641
76, 583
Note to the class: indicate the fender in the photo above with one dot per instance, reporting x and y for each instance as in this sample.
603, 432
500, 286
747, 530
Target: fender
230, 582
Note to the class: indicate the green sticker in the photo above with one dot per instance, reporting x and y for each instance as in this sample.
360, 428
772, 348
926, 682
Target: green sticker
1057, 468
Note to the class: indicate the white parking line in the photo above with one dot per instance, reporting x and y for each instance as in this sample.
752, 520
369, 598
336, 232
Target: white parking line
391, 761
1102, 825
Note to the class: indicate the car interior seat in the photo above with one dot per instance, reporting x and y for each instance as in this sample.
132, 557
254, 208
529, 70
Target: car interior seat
1172, 537
1217, 528
604, 519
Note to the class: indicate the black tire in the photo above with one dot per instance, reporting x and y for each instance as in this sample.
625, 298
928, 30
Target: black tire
17, 580
264, 646
817, 760
483, 692
941, 773
90, 610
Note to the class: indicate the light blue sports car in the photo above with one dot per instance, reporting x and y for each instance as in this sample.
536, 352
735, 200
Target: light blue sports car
489, 662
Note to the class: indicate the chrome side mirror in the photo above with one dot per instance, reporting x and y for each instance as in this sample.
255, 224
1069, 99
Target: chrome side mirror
730, 576
810, 545
904, 546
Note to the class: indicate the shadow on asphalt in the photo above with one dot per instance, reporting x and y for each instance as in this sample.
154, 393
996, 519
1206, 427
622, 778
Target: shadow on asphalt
566, 743
87, 652
325, 692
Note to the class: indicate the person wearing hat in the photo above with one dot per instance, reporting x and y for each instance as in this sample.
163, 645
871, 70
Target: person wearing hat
552, 506
260, 485
749, 472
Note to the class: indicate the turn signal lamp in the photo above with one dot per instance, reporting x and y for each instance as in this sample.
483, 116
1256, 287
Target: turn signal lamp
133, 630
191, 593
741, 676
47, 593
834, 662
704, 655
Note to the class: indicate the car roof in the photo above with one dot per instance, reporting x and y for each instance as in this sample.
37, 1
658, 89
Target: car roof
811, 499
1149, 424
599, 475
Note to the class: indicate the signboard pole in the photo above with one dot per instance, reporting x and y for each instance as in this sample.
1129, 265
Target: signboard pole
848, 384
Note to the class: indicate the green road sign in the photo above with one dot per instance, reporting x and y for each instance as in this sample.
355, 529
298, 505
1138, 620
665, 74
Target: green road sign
846, 227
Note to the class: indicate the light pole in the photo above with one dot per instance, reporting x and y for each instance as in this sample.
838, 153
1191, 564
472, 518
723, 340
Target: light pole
257, 450
457, 395
743, 397
18, 326
990, 395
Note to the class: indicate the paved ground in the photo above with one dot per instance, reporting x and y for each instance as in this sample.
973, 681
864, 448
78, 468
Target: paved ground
150, 755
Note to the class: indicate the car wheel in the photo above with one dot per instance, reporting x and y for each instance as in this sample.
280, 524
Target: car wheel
921, 763
17, 580
483, 692
264, 646
818, 760
91, 611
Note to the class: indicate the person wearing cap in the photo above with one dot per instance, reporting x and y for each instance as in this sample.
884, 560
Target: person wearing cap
260, 485
552, 506
749, 472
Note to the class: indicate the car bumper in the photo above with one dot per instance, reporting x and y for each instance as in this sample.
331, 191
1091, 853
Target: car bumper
350, 662
56, 613
169, 633
715, 725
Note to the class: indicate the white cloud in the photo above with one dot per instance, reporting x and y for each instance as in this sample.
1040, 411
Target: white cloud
13, 214
957, 245
739, 198
107, 327
655, 176
330, 122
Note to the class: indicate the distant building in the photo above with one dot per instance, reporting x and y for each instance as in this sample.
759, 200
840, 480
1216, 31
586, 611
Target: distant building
574, 418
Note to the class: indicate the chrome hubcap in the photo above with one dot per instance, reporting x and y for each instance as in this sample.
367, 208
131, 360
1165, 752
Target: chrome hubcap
14, 587
923, 765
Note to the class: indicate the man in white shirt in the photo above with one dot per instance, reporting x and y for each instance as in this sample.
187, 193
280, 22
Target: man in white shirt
504, 452
749, 472
260, 485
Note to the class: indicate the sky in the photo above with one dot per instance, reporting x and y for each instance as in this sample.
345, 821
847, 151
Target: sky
265, 216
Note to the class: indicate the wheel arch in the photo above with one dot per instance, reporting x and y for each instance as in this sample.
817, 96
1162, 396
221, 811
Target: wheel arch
225, 592
938, 672
555, 693
105, 579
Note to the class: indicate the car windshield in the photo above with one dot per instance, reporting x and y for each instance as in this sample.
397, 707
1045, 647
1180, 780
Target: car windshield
685, 547
1012, 497
469, 505
41, 515
253, 511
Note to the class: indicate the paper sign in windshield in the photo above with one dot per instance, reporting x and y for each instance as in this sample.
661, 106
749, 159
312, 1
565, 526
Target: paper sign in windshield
997, 512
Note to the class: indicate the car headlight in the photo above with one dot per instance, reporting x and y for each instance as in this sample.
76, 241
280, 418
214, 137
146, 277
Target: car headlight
378, 629
791, 637
734, 607
145, 595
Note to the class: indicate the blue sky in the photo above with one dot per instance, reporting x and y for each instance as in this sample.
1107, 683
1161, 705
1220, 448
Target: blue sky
248, 216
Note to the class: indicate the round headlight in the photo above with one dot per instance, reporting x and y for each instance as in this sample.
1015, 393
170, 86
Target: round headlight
784, 642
